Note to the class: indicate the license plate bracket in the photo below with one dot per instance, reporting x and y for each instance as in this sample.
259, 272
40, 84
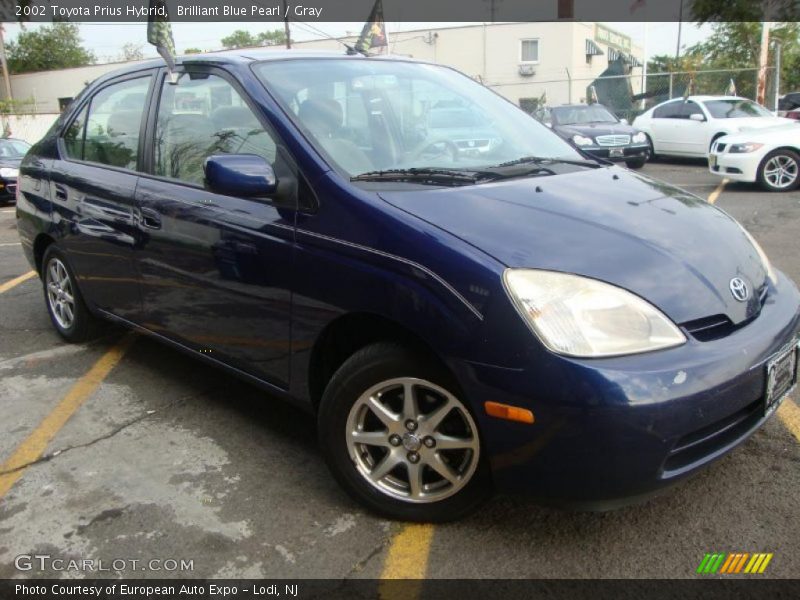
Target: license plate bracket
781, 376
616, 152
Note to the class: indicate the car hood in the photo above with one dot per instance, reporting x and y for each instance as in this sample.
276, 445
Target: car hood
750, 123
594, 129
10, 162
784, 133
662, 243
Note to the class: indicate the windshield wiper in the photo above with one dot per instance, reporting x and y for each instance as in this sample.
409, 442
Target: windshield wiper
424, 176
544, 160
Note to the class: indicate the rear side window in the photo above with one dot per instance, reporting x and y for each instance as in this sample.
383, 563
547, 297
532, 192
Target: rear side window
107, 131
668, 111
204, 116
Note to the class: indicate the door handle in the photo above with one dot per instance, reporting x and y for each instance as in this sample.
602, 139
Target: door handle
61, 192
150, 218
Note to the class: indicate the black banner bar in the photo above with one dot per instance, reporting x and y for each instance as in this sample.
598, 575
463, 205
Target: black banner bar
404, 10
733, 588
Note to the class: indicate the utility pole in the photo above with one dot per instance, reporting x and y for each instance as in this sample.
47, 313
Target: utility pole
761, 88
680, 28
4, 64
777, 73
286, 31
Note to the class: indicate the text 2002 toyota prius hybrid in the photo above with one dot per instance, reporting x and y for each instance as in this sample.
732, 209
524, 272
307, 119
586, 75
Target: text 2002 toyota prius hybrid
520, 318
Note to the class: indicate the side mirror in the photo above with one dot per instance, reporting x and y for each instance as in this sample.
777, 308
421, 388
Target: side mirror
240, 175
624, 121
550, 125
697, 117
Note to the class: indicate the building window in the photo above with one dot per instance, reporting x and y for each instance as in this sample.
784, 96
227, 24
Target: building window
529, 51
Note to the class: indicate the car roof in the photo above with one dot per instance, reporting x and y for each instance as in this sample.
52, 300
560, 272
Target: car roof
245, 56
704, 98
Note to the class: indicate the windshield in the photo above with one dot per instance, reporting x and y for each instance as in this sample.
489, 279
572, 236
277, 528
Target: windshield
735, 109
577, 115
370, 115
13, 148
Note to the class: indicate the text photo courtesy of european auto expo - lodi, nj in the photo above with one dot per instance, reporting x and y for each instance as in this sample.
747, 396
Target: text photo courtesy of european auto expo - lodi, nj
375, 299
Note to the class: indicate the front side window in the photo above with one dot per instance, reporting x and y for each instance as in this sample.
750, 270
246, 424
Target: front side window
529, 51
73, 136
691, 108
735, 109
369, 114
112, 126
202, 115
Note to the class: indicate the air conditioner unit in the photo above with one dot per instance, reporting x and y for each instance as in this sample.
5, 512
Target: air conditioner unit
527, 70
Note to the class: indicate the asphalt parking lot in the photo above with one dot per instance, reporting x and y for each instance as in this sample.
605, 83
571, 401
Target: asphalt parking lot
164, 459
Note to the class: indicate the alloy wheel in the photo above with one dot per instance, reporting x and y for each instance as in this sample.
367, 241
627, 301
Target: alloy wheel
781, 171
60, 293
412, 440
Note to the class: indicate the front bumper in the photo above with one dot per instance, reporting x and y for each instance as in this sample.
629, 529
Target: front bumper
8, 188
612, 153
608, 431
737, 167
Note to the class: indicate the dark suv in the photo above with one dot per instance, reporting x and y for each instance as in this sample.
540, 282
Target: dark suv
521, 318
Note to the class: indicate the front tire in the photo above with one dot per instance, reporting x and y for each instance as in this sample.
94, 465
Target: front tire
65, 305
398, 438
779, 171
635, 164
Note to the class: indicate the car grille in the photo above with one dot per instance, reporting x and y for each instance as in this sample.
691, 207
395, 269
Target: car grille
717, 327
613, 140
703, 442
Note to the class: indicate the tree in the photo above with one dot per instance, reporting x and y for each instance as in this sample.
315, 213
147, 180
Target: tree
192, 51
131, 51
737, 45
244, 39
55, 47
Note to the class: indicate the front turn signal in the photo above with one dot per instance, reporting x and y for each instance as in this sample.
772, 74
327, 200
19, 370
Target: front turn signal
508, 412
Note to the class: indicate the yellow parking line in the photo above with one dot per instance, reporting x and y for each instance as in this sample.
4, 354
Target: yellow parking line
712, 197
16, 281
407, 559
790, 415
36, 443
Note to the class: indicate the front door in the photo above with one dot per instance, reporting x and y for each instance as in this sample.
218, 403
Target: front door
215, 268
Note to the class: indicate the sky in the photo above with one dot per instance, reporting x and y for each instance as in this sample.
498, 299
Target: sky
106, 39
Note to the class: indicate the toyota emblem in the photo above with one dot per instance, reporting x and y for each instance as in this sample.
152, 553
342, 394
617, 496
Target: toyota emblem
739, 289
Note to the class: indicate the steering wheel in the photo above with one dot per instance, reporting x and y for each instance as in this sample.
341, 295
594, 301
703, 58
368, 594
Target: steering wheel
419, 151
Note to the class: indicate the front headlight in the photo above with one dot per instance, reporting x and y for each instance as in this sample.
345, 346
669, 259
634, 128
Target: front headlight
744, 148
640, 138
582, 140
762, 255
584, 317
9, 172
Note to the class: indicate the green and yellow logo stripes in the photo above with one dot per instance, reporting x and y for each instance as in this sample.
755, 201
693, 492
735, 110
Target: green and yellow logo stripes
734, 562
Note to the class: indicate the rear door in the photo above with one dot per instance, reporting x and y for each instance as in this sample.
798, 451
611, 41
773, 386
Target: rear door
663, 126
216, 269
93, 183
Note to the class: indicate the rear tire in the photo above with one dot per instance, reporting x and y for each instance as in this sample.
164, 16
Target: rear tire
779, 171
388, 452
65, 305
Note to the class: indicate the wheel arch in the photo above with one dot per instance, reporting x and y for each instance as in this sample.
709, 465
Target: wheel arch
349, 333
40, 245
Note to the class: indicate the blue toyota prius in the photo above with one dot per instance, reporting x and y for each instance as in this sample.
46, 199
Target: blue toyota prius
464, 308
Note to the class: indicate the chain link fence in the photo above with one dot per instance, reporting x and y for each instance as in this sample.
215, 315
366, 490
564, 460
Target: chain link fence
630, 95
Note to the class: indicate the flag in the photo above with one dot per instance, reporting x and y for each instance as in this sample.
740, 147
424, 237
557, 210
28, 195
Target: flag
159, 32
688, 91
543, 99
592, 95
731, 88
373, 35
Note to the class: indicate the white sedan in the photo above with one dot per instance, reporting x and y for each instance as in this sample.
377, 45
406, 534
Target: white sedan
769, 156
689, 127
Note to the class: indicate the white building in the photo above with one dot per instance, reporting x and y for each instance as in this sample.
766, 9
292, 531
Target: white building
521, 61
